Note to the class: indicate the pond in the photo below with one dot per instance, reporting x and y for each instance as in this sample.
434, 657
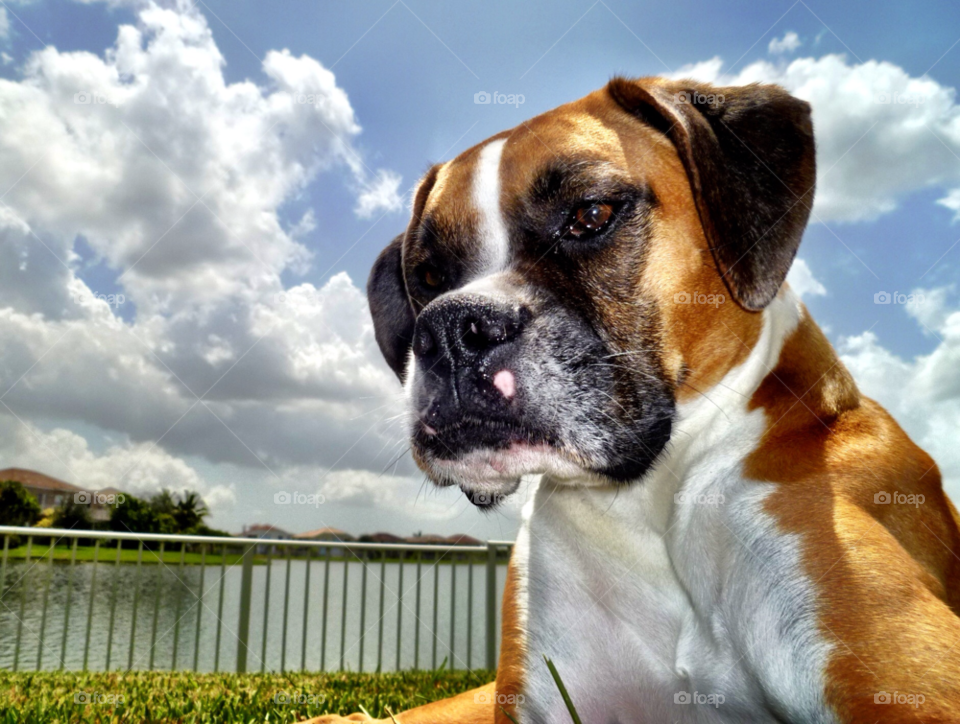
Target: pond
109, 614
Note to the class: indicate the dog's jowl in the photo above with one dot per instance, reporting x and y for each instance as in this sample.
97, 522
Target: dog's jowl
597, 299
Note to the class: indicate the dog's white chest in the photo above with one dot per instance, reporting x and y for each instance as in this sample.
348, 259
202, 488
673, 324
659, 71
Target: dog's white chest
676, 598
655, 611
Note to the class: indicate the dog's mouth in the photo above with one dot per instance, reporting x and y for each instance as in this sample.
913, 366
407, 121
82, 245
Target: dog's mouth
469, 434
486, 459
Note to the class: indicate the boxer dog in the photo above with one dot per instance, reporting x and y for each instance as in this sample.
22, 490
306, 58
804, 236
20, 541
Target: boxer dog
725, 529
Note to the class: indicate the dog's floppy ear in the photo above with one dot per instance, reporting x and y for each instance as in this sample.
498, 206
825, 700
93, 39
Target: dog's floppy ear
390, 307
749, 156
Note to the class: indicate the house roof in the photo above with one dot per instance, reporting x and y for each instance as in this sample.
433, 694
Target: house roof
325, 533
381, 538
426, 540
38, 481
261, 528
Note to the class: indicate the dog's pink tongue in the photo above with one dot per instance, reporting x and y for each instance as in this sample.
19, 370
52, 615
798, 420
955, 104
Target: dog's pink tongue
506, 383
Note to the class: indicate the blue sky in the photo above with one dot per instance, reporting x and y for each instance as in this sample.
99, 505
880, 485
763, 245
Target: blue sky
410, 70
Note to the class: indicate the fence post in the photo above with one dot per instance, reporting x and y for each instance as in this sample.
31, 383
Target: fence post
491, 606
246, 588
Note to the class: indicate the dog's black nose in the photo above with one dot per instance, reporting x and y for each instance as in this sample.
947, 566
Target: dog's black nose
461, 344
463, 331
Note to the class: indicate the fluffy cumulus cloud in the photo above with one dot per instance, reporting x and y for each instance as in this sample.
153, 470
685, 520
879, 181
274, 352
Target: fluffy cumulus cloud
205, 353
803, 282
146, 162
382, 193
787, 44
145, 468
168, 172
923, 393
952, 202
881, 134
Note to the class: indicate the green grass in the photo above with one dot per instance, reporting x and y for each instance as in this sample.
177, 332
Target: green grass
107, 554
188, 698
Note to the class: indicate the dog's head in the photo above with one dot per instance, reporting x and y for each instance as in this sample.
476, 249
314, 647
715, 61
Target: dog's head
563, 284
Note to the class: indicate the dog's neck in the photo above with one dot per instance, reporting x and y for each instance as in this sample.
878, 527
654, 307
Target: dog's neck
722, 416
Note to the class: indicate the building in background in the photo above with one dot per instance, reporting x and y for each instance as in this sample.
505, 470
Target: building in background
267, 532
48, 491
327, 534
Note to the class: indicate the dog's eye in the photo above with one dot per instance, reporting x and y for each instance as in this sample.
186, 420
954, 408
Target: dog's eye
588, 220
431, 277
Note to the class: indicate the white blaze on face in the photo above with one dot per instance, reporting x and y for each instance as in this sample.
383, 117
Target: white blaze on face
486, 198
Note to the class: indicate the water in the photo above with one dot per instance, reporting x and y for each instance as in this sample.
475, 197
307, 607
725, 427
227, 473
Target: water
169, 600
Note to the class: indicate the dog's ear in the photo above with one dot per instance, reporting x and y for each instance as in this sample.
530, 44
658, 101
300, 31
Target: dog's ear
750, 158
390, 307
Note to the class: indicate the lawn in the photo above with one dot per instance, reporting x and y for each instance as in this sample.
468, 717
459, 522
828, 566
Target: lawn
108, 554
189, 698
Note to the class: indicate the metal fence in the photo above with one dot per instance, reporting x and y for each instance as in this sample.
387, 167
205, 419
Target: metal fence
74, 599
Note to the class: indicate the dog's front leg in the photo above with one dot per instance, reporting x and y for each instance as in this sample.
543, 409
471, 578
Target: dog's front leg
471, 707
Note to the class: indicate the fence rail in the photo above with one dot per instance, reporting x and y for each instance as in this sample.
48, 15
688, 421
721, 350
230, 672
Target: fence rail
73, 599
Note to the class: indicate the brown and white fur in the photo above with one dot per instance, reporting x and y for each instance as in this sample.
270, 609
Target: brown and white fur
709, 526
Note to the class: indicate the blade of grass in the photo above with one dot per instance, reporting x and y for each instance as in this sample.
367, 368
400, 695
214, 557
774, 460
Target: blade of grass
392, 717
509, 715
563, 691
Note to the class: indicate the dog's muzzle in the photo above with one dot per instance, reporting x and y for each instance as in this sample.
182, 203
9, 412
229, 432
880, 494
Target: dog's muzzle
467, 394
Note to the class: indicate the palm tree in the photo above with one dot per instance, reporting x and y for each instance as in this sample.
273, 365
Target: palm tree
189, 512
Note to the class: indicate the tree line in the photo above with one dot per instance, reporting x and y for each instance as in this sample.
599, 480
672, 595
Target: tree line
164, 512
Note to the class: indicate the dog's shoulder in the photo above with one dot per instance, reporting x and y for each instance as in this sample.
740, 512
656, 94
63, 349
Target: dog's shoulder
881, 541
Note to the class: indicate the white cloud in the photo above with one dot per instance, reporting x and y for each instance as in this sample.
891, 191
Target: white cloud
922, 393
787, 44
174, 177
382, 194
881, 134
387, 492
952, 202
166, 170
4, 24
68, 456
803, 282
